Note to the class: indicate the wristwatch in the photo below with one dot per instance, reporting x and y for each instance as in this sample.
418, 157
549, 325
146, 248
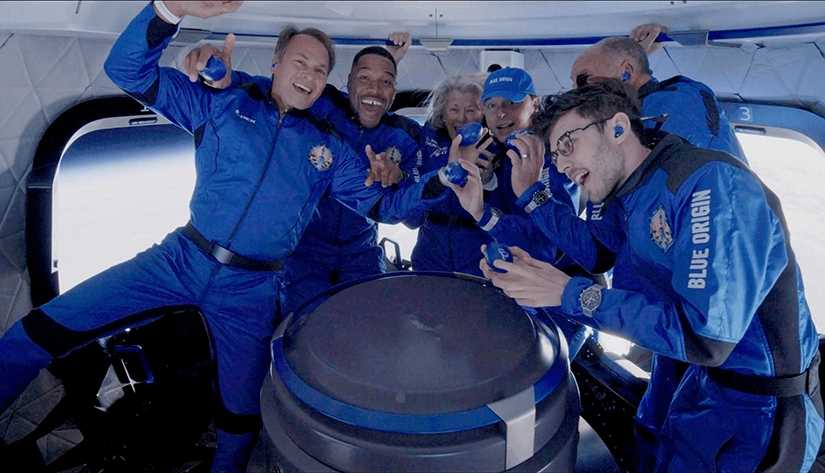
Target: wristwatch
590, 299
539, 198
495, 215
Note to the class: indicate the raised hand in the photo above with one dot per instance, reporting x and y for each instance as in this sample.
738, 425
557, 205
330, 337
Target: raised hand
471, 195
382, 169
646, 36
202, 9
527, 163
197, 58
400, 45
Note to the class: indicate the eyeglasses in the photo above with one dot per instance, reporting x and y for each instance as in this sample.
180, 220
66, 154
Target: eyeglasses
564, 145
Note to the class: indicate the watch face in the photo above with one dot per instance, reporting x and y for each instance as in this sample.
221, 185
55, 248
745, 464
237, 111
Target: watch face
540, 198
591, 297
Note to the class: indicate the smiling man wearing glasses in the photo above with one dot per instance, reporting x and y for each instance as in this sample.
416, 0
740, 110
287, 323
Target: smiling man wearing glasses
703, 273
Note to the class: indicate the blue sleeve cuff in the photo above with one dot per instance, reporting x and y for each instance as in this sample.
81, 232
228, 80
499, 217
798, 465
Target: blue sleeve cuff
489, 218
525, 198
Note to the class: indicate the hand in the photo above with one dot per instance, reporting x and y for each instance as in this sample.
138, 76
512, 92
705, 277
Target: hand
528, 281
401, 44
471, 196
473, 153
527, 163
382, 169
202, 9
197, 58
646, 36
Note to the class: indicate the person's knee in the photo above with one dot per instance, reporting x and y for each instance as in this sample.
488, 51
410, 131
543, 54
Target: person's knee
50, 335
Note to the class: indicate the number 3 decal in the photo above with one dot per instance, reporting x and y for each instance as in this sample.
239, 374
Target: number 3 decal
745, 114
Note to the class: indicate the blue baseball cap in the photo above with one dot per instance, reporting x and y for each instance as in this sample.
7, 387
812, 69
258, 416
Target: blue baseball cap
510, 83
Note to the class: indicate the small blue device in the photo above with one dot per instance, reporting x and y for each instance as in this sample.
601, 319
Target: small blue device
215, 69
512, 136
456, 174
496, 250
470, 133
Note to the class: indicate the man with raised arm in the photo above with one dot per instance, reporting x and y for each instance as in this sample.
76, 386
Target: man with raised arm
262, 166
704, 274
340, 245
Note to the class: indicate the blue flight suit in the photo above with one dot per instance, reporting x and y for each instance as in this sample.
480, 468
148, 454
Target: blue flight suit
339, 245
259, 178
448, 237
693, 113
705, 274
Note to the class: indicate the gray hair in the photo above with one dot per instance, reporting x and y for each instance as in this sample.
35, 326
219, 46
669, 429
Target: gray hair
626, 48
437, 100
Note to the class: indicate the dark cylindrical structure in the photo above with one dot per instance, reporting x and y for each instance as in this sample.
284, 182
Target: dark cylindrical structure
420, 372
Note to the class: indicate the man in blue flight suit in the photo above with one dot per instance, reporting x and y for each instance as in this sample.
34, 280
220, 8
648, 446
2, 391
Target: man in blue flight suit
339, 245
693, 111
262, 166
704, 274
694, 114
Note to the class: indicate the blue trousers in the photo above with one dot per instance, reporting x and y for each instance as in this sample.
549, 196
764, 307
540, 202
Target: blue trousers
307, 270
240, 308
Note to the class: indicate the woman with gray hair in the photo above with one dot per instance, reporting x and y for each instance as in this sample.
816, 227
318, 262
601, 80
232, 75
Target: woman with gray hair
448, 237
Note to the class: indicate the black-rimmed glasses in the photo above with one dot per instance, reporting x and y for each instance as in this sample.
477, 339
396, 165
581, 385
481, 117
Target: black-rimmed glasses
564, 145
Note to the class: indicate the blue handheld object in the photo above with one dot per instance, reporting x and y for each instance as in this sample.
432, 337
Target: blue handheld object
470, 133
456, 174
215, 69
512, 136
496, 250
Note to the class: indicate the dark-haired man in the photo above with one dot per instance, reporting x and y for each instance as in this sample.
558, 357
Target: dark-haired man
262, 166
704, 274
340, 245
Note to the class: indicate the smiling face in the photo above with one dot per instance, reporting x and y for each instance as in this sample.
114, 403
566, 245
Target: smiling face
595, 164
301, 73
461, 108
371, 87
504, 117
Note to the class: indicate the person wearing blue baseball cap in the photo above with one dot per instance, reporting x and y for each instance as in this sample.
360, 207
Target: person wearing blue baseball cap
509, 101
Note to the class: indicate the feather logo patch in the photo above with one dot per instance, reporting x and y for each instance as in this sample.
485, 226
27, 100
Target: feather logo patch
660, 231
393, 155
321, 157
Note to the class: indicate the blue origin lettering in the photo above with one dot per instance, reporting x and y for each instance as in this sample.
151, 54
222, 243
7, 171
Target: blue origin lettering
596, 211
700, 235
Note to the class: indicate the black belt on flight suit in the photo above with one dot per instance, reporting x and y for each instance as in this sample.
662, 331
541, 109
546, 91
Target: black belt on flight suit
224, 256
785, 386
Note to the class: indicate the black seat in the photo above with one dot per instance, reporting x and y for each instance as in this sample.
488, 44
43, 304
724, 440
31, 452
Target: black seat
141, 398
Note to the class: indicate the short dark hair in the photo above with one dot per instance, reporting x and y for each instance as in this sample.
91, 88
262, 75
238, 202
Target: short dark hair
598, 100
377, 50
286, 35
